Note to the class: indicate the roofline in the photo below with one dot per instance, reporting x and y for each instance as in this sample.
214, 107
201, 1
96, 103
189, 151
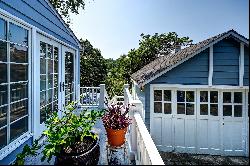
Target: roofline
235, 34
65, 25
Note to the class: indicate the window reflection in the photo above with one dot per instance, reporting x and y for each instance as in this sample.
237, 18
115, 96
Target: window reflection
3, 71
18, 54
3, 116
18, 128
18, 34
18, 91
3, 51
3, 137
18, 72
18, 110
3, 29
3, 94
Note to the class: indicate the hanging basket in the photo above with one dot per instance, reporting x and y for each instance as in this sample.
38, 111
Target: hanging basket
116, 138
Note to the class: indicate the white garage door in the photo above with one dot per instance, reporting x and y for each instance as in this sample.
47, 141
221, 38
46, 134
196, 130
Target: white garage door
199, 121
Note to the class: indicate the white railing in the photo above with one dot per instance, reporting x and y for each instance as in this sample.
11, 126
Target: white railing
141, 145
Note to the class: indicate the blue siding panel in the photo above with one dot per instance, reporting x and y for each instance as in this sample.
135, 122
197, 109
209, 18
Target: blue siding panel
194, 71
246, 67
38, 14
226, 62
12, 156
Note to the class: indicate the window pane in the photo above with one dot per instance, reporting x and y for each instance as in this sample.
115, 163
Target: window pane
42, 82
50, 66
18, 110
3, 137
167, 108
3, 51
55, 94
18, 54
180, 108
238, 111
43, 98
18, 128
203, 109
214, 109
50, 81
55, 80
49, 99
55, 60
158, 95
55, 106
3, 29
18, 72
18, 34
3, 116
167, 95
190, 96
18, 91
189, 109
3, 94
237, 97
226, 97
227, 110
3, 73
204, 96
180, 96
157, 107
213, 97
42, 115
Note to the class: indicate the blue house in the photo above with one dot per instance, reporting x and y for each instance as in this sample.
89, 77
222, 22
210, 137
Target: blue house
196, 100
39, 71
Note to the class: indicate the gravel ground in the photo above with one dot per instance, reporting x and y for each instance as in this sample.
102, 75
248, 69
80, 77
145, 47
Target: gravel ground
171, 158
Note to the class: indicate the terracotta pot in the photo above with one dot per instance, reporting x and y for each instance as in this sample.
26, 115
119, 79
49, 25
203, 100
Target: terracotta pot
116, 137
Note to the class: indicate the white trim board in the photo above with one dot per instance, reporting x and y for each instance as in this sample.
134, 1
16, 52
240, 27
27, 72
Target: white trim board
197, 52
197, 86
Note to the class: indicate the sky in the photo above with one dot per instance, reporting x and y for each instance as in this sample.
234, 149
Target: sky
114, 26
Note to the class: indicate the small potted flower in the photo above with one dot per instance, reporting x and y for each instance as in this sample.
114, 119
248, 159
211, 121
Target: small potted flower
116, 122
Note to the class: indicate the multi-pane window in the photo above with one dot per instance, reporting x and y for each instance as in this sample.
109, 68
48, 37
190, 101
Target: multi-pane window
14, 81
185, 102
163, 101
69, 77
48, 80
209, 103
232, 104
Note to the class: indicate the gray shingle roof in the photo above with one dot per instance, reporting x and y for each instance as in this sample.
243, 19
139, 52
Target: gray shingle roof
168, 61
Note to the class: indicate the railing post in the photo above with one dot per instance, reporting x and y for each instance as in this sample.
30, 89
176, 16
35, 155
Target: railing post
126, 86
102, 96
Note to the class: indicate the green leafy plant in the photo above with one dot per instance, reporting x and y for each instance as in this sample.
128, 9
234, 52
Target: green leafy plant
65, 132
27, 151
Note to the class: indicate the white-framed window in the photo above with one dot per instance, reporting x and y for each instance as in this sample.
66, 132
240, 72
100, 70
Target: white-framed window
209, 103
185, 102
163, 101
232, 104
14, 81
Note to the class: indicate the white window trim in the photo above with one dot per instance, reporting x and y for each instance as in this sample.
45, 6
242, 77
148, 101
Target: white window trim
11, 146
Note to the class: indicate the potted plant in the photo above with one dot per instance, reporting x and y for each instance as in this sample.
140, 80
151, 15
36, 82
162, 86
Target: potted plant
116, 122
70, 138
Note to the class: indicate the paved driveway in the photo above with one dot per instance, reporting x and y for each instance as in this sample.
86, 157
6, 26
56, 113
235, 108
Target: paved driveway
191, 159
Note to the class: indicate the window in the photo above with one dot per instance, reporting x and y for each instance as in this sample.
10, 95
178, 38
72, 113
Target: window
185, 102
209, 103
14, 82
163, 101
232, 104
69, 77
48, 80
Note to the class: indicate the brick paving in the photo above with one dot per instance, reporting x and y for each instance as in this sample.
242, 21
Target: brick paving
171, 158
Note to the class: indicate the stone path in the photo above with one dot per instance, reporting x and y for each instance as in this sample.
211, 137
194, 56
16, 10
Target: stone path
192, 159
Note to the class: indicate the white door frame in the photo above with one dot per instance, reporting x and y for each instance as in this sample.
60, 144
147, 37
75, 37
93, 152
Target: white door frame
247, 122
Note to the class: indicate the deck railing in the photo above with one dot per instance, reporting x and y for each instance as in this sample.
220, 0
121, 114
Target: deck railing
141, 144
90, 96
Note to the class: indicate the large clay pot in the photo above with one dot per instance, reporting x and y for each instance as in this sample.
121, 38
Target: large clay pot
116, 137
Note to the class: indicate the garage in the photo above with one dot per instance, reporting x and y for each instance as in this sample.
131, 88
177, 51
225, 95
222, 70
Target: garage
203, 121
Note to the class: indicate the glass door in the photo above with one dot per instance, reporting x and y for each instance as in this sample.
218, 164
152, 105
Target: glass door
68, 76
49, 52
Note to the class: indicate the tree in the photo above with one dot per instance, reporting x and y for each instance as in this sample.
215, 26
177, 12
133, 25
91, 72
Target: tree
93, 65
150, 47
66, 6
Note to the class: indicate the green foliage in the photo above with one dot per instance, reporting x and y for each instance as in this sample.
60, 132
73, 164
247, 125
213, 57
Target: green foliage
93, 65
150, 47
64, 132
27, 151
65, 7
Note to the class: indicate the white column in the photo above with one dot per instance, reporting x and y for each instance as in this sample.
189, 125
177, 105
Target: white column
241, 64
102, 96
211, 65
126, 102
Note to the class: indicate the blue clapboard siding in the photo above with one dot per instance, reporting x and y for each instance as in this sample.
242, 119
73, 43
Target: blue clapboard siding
192, 72
12, 156
226, 62
246, 67
39, 14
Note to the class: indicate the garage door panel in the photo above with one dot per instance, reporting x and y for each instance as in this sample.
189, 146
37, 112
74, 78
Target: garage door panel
214, 135
157, 129
202, 134
179, 132
190, 136
167, 132
237, 136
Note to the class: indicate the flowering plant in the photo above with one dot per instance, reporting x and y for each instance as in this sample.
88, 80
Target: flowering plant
116, 117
